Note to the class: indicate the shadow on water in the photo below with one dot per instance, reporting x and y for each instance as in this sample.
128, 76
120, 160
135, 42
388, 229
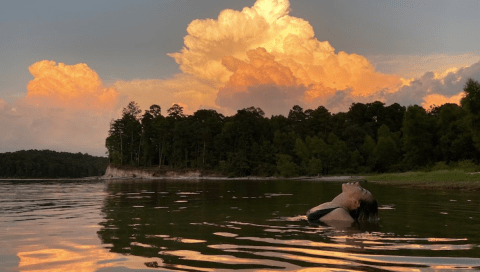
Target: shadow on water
348, 227
252, 225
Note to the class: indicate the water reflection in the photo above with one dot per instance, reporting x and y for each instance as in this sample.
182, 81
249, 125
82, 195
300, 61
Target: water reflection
50, 226
225, 225
71, 257
212, 225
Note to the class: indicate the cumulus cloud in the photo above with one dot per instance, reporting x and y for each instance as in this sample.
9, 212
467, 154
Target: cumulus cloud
262, 56
241, 51
68, 86
261, 69
67, 108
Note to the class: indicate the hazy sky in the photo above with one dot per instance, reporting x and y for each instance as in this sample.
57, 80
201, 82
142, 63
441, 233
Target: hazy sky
68, 67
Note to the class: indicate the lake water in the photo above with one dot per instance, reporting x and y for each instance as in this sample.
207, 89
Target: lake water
205, 225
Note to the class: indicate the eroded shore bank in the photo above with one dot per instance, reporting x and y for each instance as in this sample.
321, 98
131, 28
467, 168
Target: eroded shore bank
115, 172
454, 179
447, 179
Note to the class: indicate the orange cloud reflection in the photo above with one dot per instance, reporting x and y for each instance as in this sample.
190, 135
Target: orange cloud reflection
71, 257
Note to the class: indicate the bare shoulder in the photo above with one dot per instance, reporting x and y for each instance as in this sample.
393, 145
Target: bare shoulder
323, 206
339, 214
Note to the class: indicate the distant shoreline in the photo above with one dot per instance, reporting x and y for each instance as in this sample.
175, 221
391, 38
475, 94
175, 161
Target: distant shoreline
453, 179
102, 178
444, 179
302, 178
53, 179
114, 172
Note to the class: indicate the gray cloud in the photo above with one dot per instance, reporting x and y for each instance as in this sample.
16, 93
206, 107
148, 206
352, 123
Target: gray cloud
452, 84
28, 127
272, 99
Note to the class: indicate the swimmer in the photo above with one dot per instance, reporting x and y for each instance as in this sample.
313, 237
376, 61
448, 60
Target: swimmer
354, 204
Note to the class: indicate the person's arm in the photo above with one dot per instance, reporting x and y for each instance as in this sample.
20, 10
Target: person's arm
321, 210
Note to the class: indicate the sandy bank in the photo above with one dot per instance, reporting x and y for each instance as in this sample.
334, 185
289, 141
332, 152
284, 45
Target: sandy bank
115, 172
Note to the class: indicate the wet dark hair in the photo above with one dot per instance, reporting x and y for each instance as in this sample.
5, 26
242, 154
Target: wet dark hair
367, 211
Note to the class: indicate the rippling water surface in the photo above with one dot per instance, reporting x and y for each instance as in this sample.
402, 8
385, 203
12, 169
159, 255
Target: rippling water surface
173, 225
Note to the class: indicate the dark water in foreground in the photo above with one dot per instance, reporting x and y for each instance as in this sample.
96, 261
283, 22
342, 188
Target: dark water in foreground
228, 225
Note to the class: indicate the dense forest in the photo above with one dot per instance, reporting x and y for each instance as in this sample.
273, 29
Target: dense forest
369, 137
50, 164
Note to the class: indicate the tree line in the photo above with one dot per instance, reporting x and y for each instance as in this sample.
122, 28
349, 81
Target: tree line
50, 164
369, 137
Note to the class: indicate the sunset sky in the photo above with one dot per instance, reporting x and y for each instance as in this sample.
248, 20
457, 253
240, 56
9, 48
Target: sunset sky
68, 67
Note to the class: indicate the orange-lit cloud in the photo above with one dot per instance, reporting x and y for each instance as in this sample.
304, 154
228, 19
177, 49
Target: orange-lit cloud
438, 100
262, 56
261, 69
68, 86
67, 108
264, 45
259, 81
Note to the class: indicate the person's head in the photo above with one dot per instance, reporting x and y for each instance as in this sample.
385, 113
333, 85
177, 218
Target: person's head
361, 203
355, 191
